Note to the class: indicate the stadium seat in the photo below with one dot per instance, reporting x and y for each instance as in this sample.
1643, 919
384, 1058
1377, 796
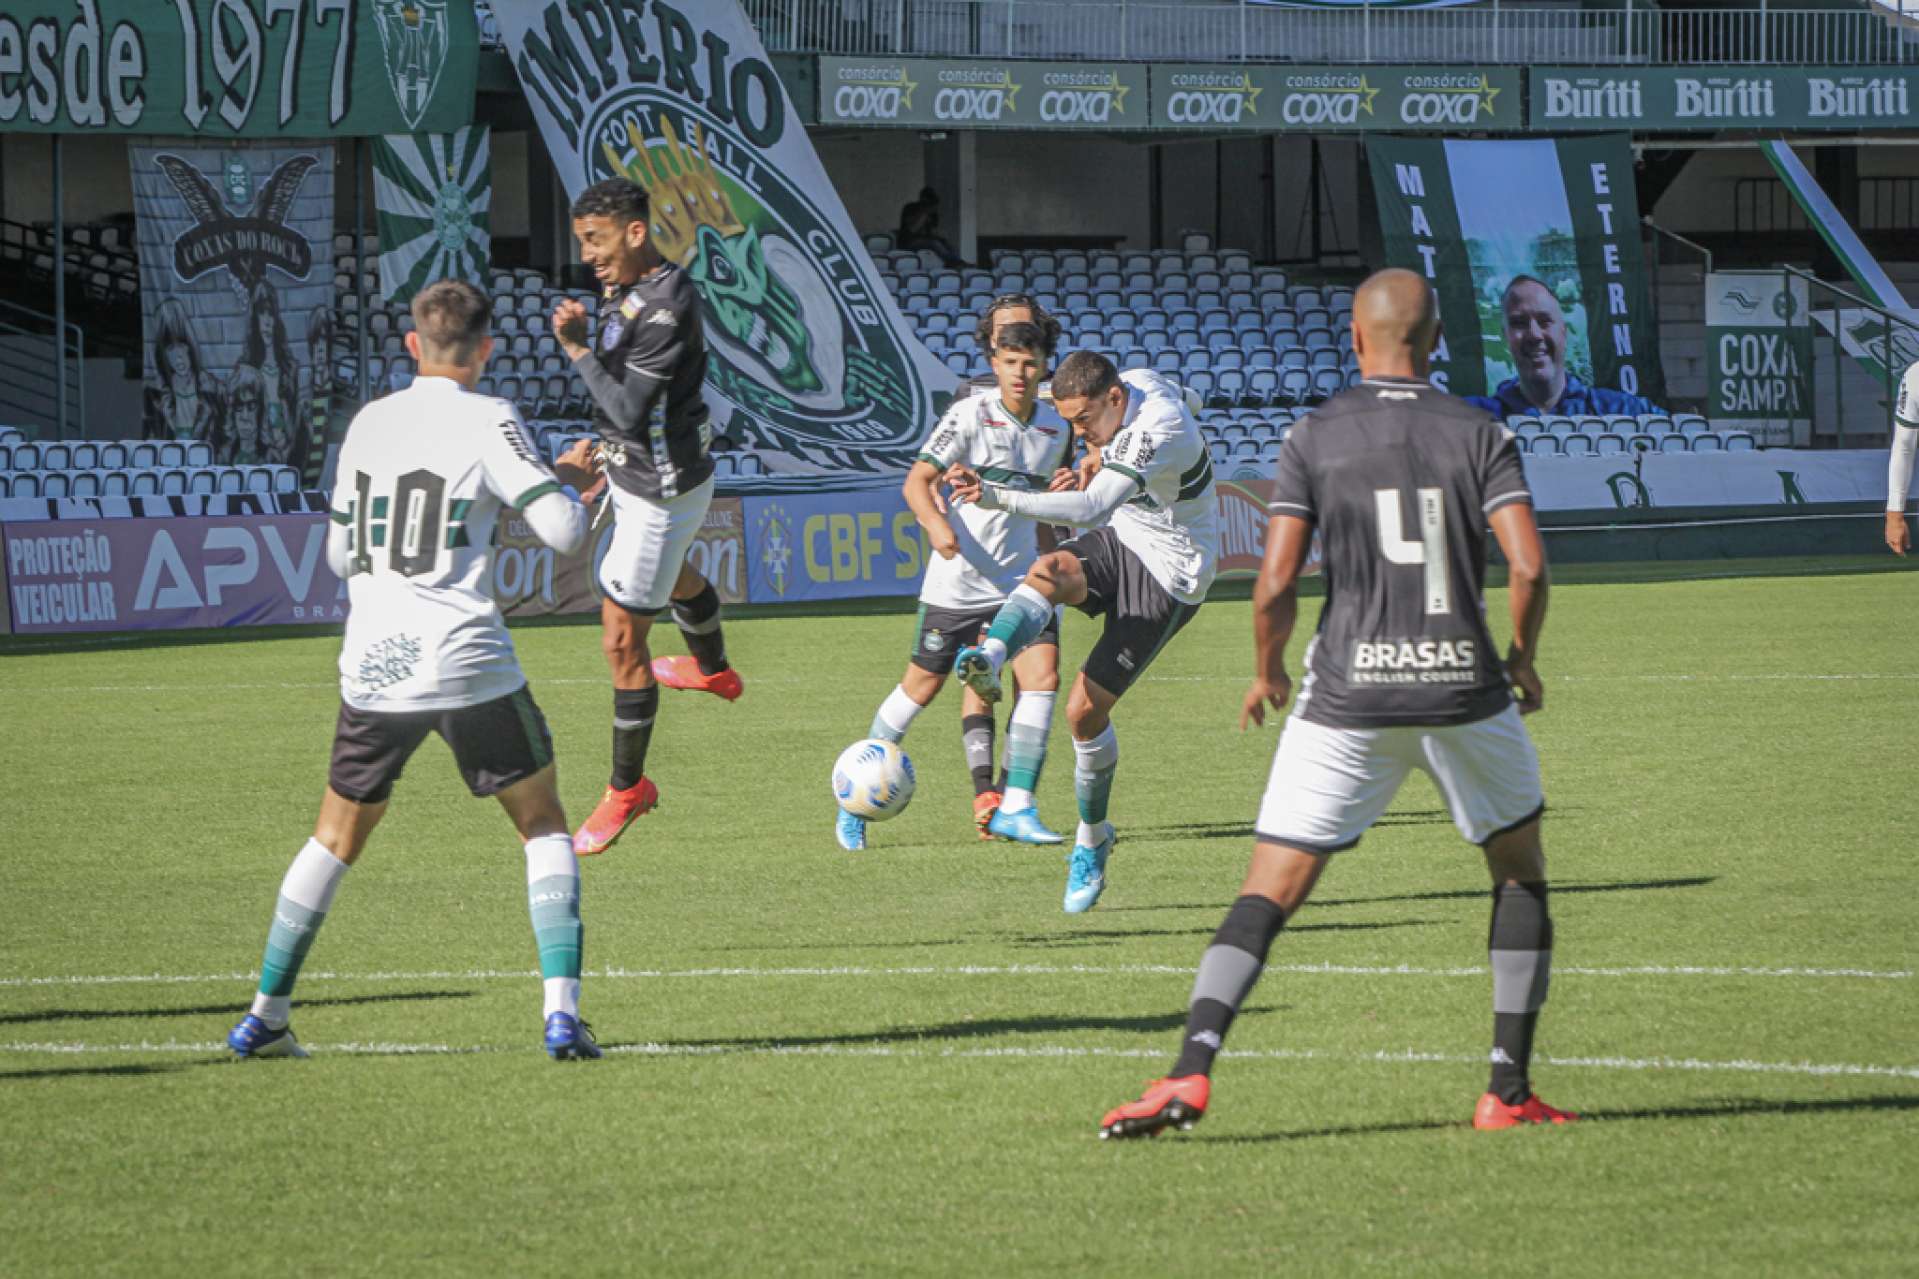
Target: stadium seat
25, 457
200, 482
12, 435
143, 483
1295, 385
1577, 444
226, 479
173, 483
144, 456
86, 456
1610, 445
56, 484
115, 484
1328, 382
1691, 423
1707, 442
1740, 442
259, 479
84, 484
1672, 443
1519, 425
1560, 426
173, 453
1599, 426
285, 480
1262, 388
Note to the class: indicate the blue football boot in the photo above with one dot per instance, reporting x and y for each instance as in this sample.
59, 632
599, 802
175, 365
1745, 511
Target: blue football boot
251, 1039
1023, 826
1086, 877
851, 831
570, 1039
977, 673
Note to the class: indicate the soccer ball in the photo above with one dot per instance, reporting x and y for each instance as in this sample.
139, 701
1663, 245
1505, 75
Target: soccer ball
873, 779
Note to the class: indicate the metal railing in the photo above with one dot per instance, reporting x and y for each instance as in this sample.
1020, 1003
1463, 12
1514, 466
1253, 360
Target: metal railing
1892, 343
32, 391
1214, 31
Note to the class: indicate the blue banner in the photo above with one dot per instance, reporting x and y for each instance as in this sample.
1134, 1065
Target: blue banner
832, 546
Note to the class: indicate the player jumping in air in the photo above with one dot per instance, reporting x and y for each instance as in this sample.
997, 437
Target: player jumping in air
980, 555
1146, 572
1400, 479
423, 476
644, 374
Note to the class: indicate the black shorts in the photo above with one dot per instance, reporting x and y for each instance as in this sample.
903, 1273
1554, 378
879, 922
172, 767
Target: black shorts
943, 632
1140, 613
496, 744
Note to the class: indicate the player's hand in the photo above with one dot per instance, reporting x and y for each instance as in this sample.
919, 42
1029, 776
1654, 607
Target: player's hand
577, 466
1261, 694
965, 484
943, 540
1527, 690
1898, 533
1065, 480
569, 325
1088, 467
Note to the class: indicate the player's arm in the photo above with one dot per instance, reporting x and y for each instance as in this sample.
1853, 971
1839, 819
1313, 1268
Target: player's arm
652, 355
1289, 539
517, 476
339, 533
1527, 584
1905, 447
1086, 508
921, 491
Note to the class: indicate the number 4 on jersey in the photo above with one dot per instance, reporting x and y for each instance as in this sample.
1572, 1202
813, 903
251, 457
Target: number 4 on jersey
1429, 550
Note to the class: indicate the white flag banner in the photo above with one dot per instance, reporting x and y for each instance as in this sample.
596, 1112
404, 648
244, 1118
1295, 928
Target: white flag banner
809, 360
433, 193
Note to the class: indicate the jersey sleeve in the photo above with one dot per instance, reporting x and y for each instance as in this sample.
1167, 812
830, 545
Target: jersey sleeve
1292, 478
1906, 409
1144, 448
514, 471
951, 438
1503, 476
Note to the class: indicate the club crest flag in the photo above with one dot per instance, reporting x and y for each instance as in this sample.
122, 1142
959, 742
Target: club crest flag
433, 192
236, 287
809, 360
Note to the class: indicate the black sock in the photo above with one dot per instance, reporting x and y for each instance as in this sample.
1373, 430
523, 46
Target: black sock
699, 622
976, 733
1521, 950
1227, 973
633, 711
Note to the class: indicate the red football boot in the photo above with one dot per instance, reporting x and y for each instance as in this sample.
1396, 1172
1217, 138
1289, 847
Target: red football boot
1493, 1113
985, 804
615, 812
684, 672
1167, 1102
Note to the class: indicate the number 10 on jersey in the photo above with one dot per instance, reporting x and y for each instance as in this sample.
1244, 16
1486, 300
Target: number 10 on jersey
1429, 550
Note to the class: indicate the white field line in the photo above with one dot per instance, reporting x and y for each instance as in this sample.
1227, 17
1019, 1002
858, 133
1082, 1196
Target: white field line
964, 970
539, 683
1016, 1052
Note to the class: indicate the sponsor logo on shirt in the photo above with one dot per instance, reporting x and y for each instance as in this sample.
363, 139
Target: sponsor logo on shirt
385, 662
1415, 662
664, 316
632, 304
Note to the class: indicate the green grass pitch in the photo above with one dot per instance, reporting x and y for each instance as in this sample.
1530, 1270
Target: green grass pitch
894, 1062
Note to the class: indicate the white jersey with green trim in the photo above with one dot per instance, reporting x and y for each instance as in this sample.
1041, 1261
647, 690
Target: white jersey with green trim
1172, 522
423, 475
995, 547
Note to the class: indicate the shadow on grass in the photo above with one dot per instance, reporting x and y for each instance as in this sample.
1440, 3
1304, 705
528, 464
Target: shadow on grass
1732, 1107
103, 1072
1093, 935
233, 1008
985, 1028
1560, 888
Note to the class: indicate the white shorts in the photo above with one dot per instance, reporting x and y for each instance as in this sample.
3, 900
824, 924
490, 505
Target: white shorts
1329, 784
650, 541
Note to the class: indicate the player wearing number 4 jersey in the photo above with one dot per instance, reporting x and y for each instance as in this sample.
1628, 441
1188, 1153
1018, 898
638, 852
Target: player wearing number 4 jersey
423, 477
1400, 480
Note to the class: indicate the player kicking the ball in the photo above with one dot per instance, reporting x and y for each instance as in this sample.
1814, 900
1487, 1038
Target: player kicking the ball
1400, 479
1146, 572
979, 555
645, 376
423, 476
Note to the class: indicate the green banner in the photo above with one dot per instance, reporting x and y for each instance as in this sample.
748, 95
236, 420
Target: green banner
1759, 354
237, 68
433, 193
1727, 97
977, 94
1268, 99
1533, 248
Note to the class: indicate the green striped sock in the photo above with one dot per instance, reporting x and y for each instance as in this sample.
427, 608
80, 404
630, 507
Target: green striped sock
1026, 739
306, 894
553, 900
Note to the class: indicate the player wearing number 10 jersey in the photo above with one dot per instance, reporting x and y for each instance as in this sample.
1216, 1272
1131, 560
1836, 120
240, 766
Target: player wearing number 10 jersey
1400, 480
423, 477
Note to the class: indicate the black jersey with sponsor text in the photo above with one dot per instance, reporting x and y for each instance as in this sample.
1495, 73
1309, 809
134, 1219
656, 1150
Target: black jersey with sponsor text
652, 342
1399, 478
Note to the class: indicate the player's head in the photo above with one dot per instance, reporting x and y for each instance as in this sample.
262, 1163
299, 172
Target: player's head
1395, 324
1089, 395
452, 331
1019, 361
1014, 308
1535, 326
609, 221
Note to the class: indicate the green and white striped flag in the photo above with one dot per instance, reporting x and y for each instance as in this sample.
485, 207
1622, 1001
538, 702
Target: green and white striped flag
432, 192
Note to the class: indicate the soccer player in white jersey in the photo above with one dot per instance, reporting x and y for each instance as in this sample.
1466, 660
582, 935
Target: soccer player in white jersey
1146, 572
1400, 480
980, 555
1905, 444
423, 476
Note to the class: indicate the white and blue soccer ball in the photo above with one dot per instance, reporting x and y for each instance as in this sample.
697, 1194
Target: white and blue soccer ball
873, 779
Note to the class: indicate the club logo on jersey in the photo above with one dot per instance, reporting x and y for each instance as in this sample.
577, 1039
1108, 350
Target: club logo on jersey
610, 333
776, 546
934, 641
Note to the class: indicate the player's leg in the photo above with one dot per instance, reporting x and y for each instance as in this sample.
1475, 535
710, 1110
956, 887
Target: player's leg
914, 693
369, 752
1055, 578
977, 734
1326, 787
1036, 668
696, 609
1489, 773
503, 749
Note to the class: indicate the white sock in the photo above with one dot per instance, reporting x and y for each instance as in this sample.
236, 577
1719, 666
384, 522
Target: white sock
895, 715
1092, 834
1016, 800
310, 882
562, 996
994, 651
549, 857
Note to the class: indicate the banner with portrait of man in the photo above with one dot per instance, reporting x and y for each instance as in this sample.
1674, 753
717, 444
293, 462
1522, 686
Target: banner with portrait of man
236, 286
1533, 248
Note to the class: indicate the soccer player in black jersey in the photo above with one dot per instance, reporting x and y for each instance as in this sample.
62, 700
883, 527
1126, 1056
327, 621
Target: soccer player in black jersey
644, 370
1400, 480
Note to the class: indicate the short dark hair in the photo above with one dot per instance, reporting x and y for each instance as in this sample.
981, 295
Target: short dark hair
983, 332
452, 318
621, 199
1083, 374
1022, 336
